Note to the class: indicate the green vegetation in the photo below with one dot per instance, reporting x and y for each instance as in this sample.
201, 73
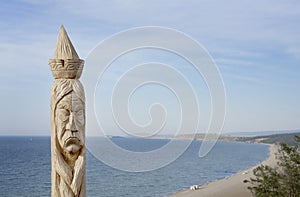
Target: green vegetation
272, 139
287, 138
280, 181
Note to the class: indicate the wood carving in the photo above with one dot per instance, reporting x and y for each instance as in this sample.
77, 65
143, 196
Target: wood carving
68, 153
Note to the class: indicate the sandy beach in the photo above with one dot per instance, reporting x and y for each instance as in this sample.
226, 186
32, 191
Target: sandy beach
231, 186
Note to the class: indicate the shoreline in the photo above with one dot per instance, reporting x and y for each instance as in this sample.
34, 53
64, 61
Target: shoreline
232, 185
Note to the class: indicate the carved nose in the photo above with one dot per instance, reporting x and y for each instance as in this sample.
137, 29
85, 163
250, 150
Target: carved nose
72, 123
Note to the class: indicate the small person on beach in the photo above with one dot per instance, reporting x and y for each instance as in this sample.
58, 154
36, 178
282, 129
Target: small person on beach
194, 187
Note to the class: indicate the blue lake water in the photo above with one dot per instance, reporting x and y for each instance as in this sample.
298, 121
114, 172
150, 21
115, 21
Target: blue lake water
25, 168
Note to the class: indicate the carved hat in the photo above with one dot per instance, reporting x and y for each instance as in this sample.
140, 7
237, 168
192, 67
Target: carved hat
66, 63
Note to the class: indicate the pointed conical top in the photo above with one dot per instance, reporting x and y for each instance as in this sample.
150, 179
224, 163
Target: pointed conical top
64, 47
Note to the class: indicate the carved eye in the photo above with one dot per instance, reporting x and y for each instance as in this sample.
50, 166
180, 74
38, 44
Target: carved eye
63, 115
80, 117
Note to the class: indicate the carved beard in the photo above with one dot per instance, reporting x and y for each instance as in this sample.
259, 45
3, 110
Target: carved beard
69, 181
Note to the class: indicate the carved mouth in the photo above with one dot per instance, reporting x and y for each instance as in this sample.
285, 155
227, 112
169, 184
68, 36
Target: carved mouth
72, 140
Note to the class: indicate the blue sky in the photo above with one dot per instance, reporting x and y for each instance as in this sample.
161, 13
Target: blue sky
255, 44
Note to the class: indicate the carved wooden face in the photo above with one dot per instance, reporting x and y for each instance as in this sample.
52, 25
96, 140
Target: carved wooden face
70, 123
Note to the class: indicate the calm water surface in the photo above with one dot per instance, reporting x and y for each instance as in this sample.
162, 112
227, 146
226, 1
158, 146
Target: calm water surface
25, 168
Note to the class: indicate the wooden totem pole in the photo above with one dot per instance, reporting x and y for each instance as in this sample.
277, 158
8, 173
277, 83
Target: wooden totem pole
68, 153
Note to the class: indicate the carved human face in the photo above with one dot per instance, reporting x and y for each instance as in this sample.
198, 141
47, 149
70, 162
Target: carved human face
70, 122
